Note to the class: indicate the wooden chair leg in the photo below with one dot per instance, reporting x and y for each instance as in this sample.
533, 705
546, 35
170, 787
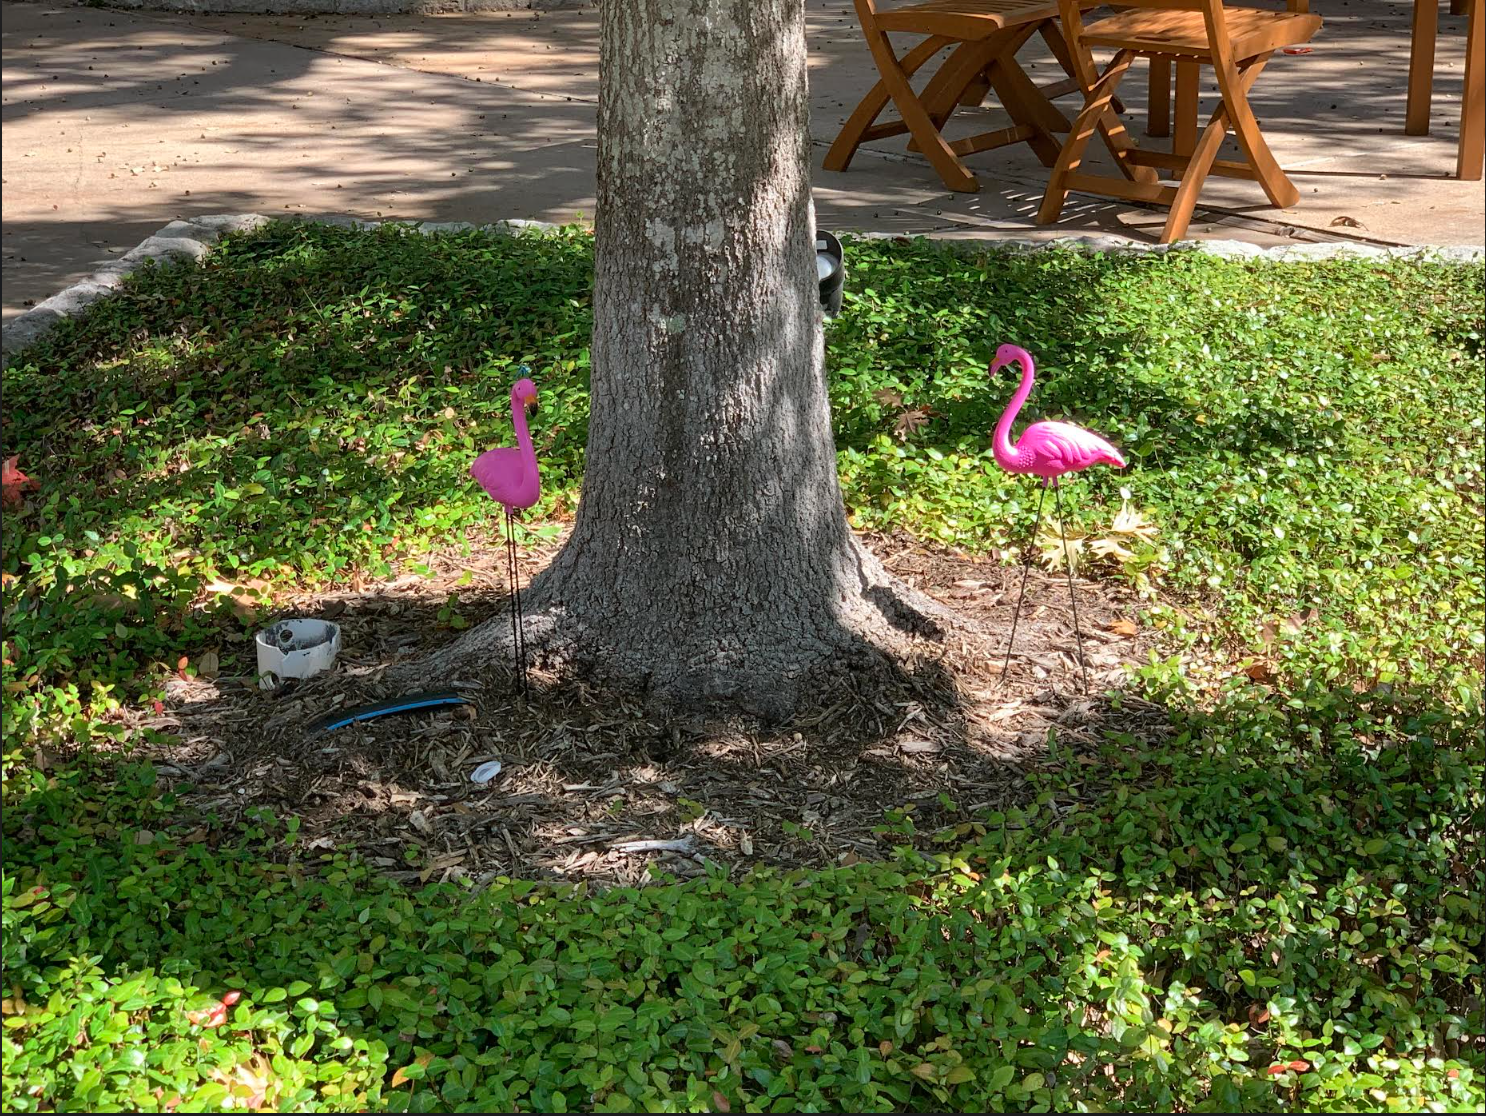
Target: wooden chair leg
1052, 35
1204, 152
935, 148
1024, 103
1472, 149
1119, 143
1020, 87
853, 132
975, 92
941, 96
1188, 80
965, 68
1158, 101
1090, 120
1235, 86
1116, 139
1421, 67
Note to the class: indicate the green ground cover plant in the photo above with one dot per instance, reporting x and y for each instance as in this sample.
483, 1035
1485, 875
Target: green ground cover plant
1276, 905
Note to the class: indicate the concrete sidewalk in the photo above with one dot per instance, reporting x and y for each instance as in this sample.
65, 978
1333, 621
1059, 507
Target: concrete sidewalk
116, 122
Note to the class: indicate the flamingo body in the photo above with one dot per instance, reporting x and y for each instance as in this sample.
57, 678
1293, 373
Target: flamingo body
1045, 449
509, 473
1050, 449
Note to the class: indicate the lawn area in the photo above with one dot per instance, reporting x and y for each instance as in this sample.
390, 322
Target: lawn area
1273, 903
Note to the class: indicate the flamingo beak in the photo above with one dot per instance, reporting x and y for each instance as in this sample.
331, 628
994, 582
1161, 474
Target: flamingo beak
997, 365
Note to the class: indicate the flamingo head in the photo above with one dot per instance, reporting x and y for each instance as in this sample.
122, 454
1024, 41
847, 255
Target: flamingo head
524, 393
1010, 354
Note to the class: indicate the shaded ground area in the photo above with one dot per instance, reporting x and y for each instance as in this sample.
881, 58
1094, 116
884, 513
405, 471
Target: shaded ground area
586, 773
116, 122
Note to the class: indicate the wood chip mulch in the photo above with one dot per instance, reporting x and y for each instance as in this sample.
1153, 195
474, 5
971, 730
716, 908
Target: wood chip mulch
592, 787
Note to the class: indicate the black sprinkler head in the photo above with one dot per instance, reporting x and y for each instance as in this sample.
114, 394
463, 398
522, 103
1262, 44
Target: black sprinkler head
830, 269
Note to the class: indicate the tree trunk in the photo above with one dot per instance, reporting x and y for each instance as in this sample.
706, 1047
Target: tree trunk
711, 559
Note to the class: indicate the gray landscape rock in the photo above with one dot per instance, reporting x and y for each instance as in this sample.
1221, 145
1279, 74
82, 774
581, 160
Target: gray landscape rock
224, 223
26, 328
160, 247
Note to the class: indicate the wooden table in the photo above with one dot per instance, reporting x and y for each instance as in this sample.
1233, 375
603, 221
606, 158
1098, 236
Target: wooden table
1472, 146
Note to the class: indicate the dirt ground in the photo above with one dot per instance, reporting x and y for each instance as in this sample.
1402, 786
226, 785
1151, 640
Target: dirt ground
587, 775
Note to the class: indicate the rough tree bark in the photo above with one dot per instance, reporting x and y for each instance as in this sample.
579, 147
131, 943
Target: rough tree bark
711, 559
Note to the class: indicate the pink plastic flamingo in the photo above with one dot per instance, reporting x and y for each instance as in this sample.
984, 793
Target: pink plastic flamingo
510, 475
1047, 450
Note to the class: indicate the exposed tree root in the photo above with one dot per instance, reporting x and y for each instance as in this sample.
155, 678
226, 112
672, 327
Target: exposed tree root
765, 670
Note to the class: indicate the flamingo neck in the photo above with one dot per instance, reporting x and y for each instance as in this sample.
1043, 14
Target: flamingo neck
523, 438
1001, 445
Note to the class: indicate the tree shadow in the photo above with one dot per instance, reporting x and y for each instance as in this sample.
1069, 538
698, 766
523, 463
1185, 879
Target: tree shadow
1083, 948
587, 768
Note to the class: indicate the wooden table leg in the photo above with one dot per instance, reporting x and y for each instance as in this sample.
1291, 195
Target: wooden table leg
1158, 110
1421, 66
1473, 105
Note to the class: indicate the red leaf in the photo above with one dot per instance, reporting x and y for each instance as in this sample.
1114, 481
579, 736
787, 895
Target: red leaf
1275, 1071
1300, 1066
181, 664
1453, 1075
13, 482
720, 1102
159, 706
214, 1016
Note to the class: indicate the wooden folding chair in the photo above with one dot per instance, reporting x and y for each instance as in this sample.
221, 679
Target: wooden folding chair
1158, 102
1236, 43
985, 35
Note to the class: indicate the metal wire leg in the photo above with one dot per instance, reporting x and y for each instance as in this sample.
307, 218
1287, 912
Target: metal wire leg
518, 646
1083, 665
1026, 568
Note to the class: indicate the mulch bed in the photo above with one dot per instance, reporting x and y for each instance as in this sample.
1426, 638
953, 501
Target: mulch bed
594, 787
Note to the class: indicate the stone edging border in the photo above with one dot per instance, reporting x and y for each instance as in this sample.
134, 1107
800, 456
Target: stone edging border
190, 240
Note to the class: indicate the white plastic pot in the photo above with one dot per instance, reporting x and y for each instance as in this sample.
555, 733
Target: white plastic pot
296, 648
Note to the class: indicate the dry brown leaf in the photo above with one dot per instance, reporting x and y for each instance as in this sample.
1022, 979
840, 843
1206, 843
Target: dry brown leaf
720, 1102
1124, 627
209, 665
1347, 222
884, 1048
888, 397
401, 1078
1260, 672
910, 420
